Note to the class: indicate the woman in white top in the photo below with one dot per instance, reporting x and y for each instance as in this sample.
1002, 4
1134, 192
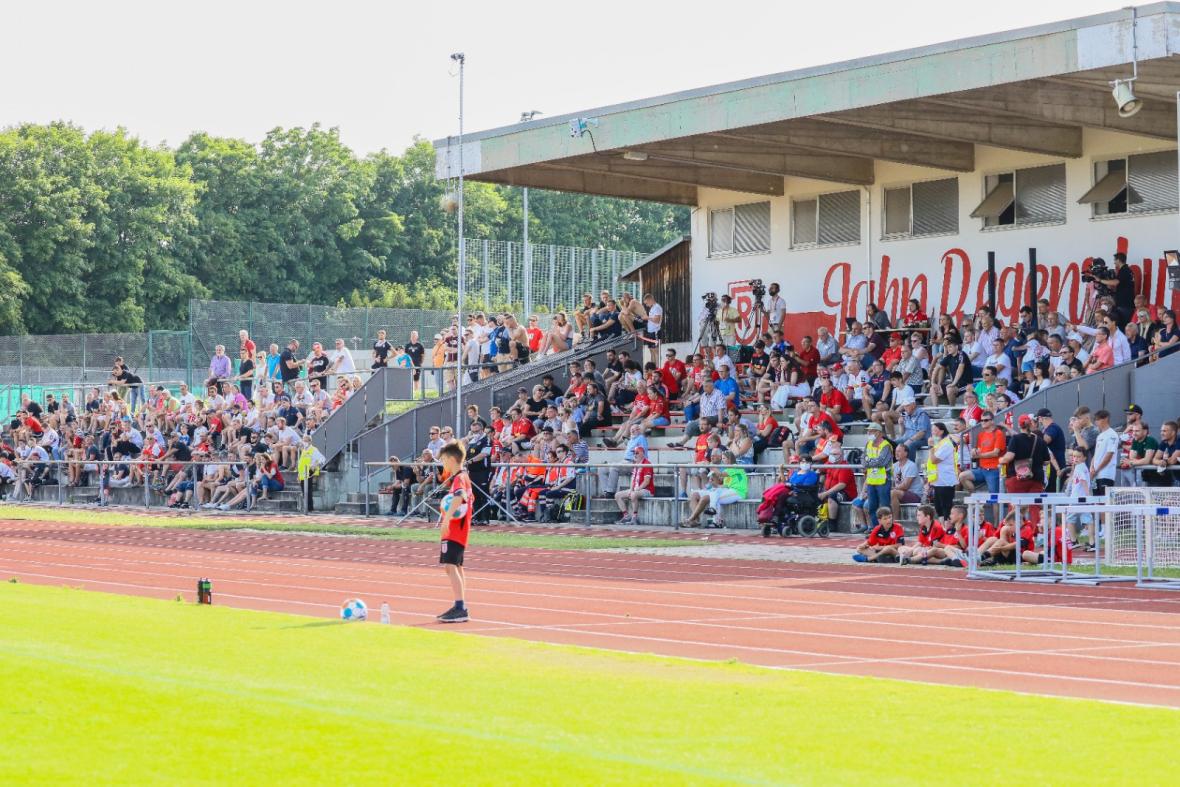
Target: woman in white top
941, 468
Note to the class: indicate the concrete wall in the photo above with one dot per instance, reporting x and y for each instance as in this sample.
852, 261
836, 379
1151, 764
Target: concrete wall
946, 273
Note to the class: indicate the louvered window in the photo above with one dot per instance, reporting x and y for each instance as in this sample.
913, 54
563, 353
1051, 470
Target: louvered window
742, 229
927, 208
827, 220
1143, 183
720, 232
1151, 181
1026, 196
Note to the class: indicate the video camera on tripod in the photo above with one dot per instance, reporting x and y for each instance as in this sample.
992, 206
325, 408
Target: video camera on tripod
757, 290
1098, 271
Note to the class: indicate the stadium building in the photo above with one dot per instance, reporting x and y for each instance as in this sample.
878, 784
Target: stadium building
892, 177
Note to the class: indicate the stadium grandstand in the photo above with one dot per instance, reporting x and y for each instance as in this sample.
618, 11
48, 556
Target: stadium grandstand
891, 295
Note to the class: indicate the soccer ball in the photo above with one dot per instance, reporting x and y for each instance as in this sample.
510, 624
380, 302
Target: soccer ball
353, 609
458, 511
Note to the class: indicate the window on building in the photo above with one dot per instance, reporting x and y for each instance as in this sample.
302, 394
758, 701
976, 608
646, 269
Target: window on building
1026, 196
826, 220
742, 229
927, 208
1142, 183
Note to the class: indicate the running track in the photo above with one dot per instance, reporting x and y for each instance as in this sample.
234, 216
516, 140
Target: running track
930, 625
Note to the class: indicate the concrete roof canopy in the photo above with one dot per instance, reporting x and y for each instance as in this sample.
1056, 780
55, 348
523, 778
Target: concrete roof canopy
1033, 89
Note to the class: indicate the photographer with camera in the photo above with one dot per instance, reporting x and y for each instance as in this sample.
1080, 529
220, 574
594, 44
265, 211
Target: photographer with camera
1120, 282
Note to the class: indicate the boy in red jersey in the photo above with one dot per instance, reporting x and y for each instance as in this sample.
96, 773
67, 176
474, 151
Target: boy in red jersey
952, 547
930, 534
456, 524
882, 543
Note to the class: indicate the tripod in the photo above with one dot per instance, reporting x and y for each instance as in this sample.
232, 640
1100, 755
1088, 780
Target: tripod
710, 332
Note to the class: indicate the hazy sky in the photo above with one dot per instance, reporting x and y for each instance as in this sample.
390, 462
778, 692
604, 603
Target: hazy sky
380, 70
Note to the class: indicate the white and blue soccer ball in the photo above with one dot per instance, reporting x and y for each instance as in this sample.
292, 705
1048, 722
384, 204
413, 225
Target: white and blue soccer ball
460, 509
353, 609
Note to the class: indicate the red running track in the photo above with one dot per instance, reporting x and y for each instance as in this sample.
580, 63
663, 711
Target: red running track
930, 625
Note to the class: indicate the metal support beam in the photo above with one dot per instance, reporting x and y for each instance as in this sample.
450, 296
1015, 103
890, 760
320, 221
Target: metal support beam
928, 119
763, 159
827, 138
607, 185
1071, 105
684, 172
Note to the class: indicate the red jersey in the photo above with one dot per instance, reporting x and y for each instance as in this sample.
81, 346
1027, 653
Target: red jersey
956, 537
657, 406
456, 528
934, 535
249, 347
841, 475
523, 426
823, 416
809, 362
641, 404
672, 373
698, 375
835, 399
535, 336
701, 448
891, 356
988, 530
879, 536
643, 477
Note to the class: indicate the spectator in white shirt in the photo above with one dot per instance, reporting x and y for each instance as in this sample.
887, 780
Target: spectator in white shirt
775, 307
655, 320
1104, 465
342, 361
827, 346
721, 358
999, 359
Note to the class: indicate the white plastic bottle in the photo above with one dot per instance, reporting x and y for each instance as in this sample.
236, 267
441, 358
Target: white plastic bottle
385, 612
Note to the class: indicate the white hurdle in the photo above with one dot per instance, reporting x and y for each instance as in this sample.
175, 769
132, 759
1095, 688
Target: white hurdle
1019, 502
1145, 522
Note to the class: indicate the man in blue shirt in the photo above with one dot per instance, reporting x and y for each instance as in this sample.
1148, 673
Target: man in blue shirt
728, 388
916, 425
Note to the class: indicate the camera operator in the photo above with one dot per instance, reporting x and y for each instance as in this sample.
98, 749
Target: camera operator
774, 307
1122, 283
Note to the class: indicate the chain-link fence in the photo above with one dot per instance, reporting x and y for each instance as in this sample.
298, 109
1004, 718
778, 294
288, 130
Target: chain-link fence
69, 363
500, 275
218, 322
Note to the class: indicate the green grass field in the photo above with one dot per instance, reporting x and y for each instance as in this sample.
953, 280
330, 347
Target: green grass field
524, 540
98, 688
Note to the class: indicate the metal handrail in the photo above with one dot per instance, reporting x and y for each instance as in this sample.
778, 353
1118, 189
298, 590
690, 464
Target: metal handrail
147, 489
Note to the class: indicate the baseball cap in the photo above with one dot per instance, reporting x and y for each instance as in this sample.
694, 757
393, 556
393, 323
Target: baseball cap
1044, 412
1024, 420
1134, 408
873, 426
895, 336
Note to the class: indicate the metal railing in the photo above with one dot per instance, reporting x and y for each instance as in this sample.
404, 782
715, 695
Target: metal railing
23, 466
1110, 389
584, 468
405, 429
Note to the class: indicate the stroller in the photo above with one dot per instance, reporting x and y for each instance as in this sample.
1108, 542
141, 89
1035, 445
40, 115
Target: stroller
791, 511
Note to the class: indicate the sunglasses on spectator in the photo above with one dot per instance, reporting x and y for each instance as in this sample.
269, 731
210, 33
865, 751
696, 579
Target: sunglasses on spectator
985, 420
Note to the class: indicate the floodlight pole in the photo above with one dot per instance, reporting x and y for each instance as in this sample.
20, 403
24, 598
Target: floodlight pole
462, 268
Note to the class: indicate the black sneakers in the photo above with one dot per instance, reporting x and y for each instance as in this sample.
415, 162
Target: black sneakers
453, 615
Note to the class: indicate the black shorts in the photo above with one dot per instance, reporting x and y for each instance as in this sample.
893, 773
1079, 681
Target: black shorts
451, 553
652, 336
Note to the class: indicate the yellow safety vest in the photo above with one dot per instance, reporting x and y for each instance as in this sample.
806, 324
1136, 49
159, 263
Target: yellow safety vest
875, 476
932, 466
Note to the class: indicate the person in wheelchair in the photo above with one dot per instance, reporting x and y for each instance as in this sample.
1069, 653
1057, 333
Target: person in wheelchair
795, 512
